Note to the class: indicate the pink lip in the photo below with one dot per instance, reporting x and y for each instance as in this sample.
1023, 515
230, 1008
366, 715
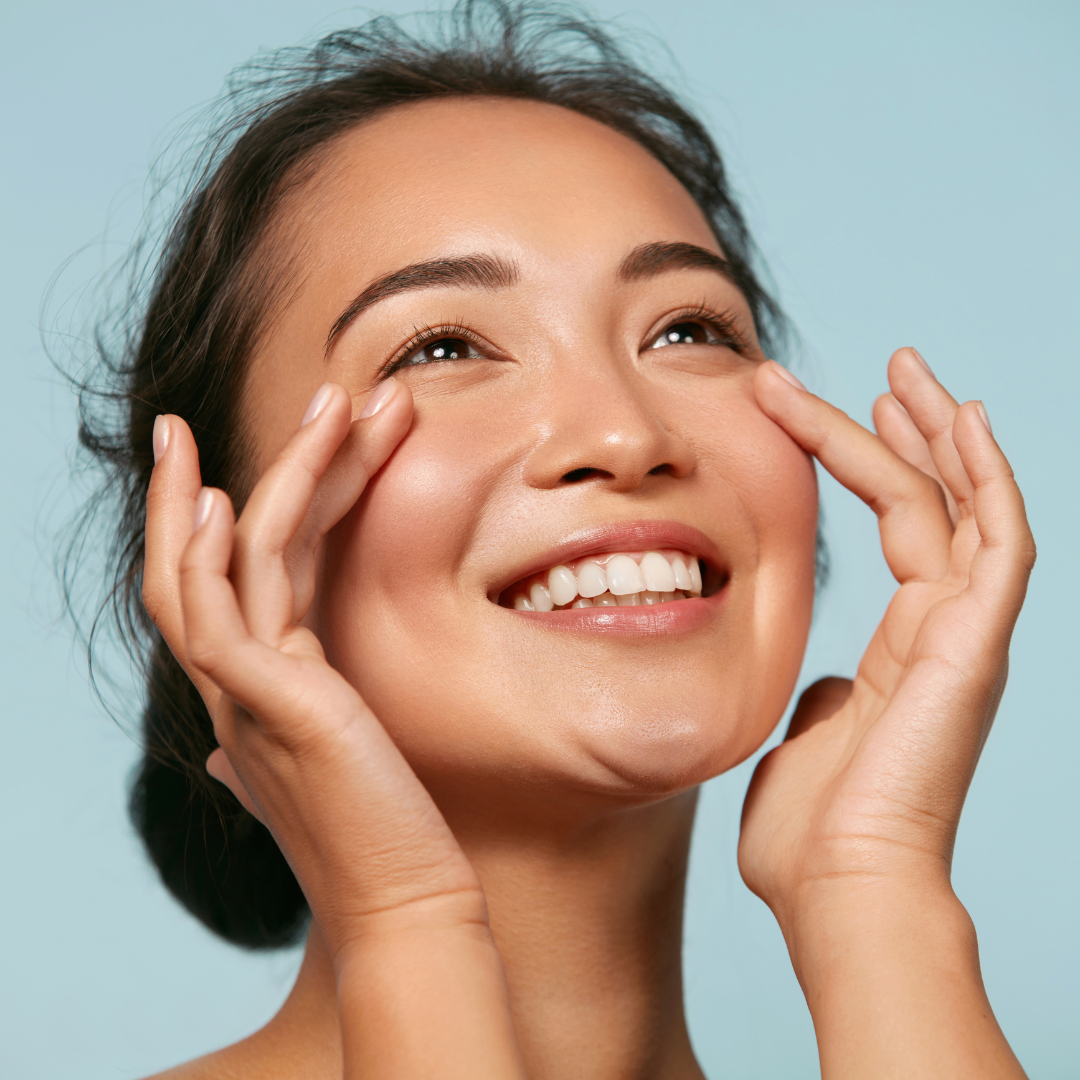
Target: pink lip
678, 617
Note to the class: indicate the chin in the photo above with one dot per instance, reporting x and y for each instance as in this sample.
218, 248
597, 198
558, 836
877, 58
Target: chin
666, 750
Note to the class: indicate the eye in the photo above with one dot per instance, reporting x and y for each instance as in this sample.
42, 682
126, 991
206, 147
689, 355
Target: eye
438, 349
688, 333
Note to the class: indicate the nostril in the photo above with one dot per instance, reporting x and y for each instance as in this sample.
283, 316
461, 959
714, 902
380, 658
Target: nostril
575, 476
660, 470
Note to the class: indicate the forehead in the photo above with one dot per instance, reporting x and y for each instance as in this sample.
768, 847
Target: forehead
527, 178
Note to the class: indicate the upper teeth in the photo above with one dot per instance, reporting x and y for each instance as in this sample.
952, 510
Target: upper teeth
634, 578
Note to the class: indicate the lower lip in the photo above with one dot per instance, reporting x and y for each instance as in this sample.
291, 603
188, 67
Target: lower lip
655, 620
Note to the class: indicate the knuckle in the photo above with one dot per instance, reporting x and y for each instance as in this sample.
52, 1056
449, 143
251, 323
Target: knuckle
1028, 553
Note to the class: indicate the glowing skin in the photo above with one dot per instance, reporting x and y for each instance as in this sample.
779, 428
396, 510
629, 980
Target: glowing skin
488, 801
477, 492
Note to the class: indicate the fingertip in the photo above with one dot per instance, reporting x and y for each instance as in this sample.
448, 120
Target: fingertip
162, 432
318, 403
382, 396
912, 355
974, 417
204, 505
782, 373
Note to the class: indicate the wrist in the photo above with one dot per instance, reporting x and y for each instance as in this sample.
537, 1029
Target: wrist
423, 993
890, 970
833, 925
354, 937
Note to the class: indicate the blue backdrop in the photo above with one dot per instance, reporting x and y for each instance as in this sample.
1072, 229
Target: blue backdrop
911, 172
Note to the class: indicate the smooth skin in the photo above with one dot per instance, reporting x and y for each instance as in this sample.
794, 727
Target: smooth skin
490, 819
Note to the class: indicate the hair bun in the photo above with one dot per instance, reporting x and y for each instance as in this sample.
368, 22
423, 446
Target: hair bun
216, 859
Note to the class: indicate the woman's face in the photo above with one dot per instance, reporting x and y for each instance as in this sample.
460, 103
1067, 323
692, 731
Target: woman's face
582, 379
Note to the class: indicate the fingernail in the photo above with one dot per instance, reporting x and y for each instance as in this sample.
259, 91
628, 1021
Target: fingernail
919, 356
787, 376
161, 437
318, 403
982, 414
378, 399
203, 505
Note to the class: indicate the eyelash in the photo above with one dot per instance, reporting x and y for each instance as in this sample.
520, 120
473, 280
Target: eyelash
424, 337
722, 324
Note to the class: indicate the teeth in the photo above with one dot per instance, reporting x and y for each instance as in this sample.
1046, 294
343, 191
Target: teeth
562, 585
591, 579
625, 576
541, 598
682, 575
659, 577
624, 581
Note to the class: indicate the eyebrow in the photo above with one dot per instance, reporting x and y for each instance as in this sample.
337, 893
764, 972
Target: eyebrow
648, 260
490, 272
477, 271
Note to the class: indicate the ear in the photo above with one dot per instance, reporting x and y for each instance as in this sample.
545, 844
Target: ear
220, 768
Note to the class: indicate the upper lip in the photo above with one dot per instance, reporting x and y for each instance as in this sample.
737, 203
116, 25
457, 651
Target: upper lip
618, 536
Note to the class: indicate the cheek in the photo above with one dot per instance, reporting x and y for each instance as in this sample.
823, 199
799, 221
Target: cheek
774, 483
415, 521
454, 685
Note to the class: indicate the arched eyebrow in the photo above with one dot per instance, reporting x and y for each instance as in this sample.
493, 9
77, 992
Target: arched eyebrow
465, 271
648, 260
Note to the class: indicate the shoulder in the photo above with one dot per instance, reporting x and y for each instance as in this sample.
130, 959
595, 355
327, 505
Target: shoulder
230, 1063
262, 1056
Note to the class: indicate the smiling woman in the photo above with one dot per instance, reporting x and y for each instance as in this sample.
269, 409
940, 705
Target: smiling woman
475, 529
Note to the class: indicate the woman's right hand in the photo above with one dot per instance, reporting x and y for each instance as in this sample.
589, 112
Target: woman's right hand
386, 880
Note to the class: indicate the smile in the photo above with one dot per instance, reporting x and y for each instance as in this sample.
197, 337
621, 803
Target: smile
613, 579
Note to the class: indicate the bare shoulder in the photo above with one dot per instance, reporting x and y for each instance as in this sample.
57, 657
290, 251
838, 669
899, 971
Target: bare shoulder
269, 1054
302, 1042
247, 1059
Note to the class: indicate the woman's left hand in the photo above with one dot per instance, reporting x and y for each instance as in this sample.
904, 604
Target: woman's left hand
849, 824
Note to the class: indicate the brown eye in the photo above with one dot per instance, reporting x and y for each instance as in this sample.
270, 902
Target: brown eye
444, 348
684, 333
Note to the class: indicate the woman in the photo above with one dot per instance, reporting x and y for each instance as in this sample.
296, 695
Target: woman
480, 529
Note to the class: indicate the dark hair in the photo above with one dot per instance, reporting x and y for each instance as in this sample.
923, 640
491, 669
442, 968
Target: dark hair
181, 342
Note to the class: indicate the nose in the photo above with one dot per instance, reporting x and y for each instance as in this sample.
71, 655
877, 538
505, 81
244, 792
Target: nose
605, 423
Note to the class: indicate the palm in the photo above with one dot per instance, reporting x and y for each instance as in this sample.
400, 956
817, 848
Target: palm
873, 772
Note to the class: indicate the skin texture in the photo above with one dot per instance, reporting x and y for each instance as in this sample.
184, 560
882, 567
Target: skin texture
490, 813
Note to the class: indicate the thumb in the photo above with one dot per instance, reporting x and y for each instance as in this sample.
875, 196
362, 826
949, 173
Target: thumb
818, 702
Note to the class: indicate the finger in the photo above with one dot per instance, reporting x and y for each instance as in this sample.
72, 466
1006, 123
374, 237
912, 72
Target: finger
898, 431
1005, 557
818, 702
932, 409
265, 682
315, 480
373, 436
220, 768
170, 502
916, 531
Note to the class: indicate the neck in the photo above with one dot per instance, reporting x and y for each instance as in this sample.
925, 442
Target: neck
588, 922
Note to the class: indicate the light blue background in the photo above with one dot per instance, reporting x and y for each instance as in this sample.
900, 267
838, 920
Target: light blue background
911, 172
